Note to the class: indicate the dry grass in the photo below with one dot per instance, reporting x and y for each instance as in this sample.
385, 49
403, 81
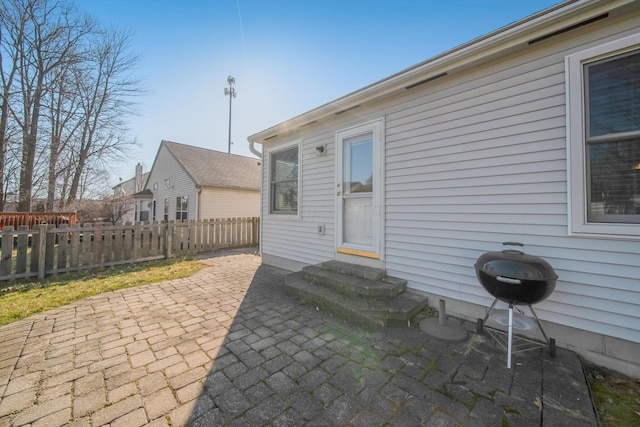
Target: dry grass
21, 299
616, 396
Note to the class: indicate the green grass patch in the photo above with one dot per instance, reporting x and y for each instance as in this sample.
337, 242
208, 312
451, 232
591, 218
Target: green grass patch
21, 299
616, 396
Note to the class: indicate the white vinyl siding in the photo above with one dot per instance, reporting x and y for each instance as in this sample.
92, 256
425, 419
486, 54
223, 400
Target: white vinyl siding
482, 160
473, 159
167, 170
227, 203
296, 237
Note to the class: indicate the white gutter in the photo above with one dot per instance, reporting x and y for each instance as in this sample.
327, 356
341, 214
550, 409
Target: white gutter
511, 37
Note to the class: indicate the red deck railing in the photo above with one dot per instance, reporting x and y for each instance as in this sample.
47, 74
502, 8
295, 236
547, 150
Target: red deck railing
31, 219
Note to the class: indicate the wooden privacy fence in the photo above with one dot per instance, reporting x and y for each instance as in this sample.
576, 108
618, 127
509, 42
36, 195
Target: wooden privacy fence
47, 249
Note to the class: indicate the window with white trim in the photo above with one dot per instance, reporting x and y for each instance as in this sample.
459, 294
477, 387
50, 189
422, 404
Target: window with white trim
166, 209
603, 104
182, 208
283, 181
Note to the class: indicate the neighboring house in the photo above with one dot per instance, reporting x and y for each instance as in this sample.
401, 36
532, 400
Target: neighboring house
127, 206
187, 182
529, 134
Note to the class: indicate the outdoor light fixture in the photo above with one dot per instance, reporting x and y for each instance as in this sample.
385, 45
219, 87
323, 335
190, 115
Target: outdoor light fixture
231, 91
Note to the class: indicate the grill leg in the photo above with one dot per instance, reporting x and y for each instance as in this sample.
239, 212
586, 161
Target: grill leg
539, 324
510, 336
486, 316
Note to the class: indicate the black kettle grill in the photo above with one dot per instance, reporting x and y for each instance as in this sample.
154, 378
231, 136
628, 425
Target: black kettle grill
516, 278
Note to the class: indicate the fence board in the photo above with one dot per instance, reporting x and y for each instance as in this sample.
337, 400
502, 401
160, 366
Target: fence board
137, 240
87, 240
49, 255
35, 251
62, 246
22, 249
74, 240
127, 231
7, 252
97, 244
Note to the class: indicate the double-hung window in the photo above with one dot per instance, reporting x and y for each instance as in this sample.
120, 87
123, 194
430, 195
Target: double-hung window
283, 181
182, 208
603, 104
166, 209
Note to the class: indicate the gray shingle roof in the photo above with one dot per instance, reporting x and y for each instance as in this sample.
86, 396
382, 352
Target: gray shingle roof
210, 168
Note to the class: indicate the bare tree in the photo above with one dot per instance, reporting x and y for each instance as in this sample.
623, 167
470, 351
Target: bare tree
47, 40
9, 60
62, 107
106, 87
67, 92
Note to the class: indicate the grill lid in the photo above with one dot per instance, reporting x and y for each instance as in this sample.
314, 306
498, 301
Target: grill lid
515, 264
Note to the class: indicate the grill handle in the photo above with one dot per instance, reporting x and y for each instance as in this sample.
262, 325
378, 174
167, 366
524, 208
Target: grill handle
512, 244
508, 280
513, 251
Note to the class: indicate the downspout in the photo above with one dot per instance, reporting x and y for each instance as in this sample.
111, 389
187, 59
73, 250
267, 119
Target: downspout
198, 202
253, 149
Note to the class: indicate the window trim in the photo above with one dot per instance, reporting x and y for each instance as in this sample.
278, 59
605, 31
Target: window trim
578, 224
282, 215
179, 200
166, 209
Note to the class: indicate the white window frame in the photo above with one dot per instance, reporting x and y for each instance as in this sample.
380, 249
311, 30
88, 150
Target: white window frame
179, 210
576, 146
275, 150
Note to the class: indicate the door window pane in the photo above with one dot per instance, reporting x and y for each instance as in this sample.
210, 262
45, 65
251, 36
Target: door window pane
358, 164
357, 225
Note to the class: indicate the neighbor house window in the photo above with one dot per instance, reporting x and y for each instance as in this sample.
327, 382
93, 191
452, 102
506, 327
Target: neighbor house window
182, 207
167, 183
166, 209
603, 86
284, 181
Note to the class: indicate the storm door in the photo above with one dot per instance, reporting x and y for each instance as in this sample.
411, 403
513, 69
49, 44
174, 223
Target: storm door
358, 190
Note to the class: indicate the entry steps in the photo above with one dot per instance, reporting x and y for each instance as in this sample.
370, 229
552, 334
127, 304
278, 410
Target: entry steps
363, 295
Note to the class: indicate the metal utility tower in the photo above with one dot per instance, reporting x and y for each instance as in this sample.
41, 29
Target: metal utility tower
231, 91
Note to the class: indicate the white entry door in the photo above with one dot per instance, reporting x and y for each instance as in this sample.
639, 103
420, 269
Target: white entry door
359, 190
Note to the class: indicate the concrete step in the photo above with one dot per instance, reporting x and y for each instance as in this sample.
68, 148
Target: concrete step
369, 273
367, 312
355, 285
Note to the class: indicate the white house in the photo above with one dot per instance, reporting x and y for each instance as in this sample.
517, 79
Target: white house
530, 134
187, 182
127, 207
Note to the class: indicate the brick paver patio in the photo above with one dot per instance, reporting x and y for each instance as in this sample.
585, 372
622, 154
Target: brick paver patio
228, 347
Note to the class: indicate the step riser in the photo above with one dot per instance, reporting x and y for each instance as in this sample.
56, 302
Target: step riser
368, 312
369, 273
346, 285
333, 308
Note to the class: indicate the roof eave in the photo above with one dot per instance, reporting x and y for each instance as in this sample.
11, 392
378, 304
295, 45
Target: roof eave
513, 36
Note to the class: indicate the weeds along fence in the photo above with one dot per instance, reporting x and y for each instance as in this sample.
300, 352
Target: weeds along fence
47, 249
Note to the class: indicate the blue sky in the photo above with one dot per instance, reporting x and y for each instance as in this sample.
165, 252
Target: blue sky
287, 56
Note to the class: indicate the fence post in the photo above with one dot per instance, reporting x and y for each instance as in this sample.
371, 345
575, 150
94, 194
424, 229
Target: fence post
42, 248
169, 239
256, 230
